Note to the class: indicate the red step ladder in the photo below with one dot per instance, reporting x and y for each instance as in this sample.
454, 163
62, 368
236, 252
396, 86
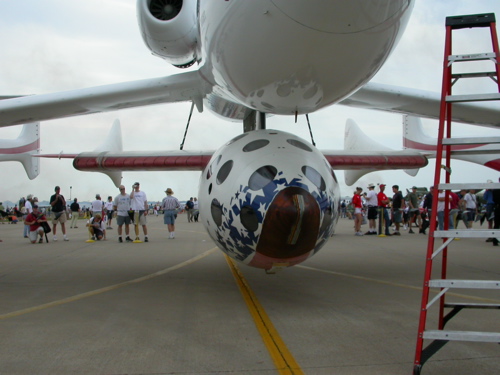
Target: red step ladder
437, 338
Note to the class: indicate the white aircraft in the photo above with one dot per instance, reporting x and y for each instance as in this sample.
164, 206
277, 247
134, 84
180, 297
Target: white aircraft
267, 198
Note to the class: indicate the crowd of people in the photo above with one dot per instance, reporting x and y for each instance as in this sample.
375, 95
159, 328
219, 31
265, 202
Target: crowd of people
414, 210
399, 212
125, 208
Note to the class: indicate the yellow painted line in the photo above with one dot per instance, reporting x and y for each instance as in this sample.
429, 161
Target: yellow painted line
108, 288
466, 296
281, 356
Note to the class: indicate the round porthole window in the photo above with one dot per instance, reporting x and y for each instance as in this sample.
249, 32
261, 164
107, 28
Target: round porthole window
314, 176
255, 145
299, 144
261, 177
216, 210
249, 218
224, 171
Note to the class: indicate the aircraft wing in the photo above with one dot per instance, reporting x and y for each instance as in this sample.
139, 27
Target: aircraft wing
420, 103
186, 86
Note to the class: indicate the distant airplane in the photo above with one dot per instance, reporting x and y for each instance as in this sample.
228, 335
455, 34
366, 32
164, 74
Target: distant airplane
267, 198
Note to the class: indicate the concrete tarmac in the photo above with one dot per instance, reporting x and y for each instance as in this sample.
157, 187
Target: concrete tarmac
174, 306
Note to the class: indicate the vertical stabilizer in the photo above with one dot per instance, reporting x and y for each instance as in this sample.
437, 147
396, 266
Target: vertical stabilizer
22, 148
414, 137
113, 143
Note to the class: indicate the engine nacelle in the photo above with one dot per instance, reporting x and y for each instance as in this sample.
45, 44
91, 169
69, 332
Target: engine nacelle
169, 29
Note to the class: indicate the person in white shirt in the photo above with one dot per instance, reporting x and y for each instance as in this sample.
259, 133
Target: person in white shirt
97, 206
471, 206
139, 204
372, 203
108, 207
28, 209
97, 228
122, 206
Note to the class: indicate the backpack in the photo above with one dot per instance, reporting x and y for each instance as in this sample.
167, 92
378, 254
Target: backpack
46, 227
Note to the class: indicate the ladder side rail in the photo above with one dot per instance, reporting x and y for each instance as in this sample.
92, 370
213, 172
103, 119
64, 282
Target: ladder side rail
446, 219
494, 41
437, 173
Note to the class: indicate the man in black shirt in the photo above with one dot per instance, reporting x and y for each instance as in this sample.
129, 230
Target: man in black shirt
75, 213
58, 204
398, 204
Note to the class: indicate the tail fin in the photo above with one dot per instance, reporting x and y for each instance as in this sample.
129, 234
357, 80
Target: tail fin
112, 143
356, 140
414, 138
22, 148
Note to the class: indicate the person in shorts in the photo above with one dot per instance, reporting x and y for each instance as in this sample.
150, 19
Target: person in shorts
97, 228
139, 204
58, 204
121, 205
108, 208
170, 205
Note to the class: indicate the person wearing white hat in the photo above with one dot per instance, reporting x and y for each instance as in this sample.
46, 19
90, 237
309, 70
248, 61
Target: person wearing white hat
170, 205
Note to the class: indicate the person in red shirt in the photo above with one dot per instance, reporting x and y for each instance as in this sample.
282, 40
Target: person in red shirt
34, 220
383, 203
358, 211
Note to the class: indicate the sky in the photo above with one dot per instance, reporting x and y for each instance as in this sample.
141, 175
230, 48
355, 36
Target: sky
54, 45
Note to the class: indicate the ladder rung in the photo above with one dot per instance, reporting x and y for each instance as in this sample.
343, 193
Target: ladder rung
470, 185
472, 57
472, 98
475, 152
471, 141
472, 305
464, 284
470, 20
474, 75
462, 336
467, 233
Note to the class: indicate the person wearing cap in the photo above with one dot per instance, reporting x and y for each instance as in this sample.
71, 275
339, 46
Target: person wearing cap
58, 204
383, 202
121, 205
97, 228
139, 203
97, 205
358, 211
170, 205
34, 220
108, 208
398, 205
414, 210
372, 203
